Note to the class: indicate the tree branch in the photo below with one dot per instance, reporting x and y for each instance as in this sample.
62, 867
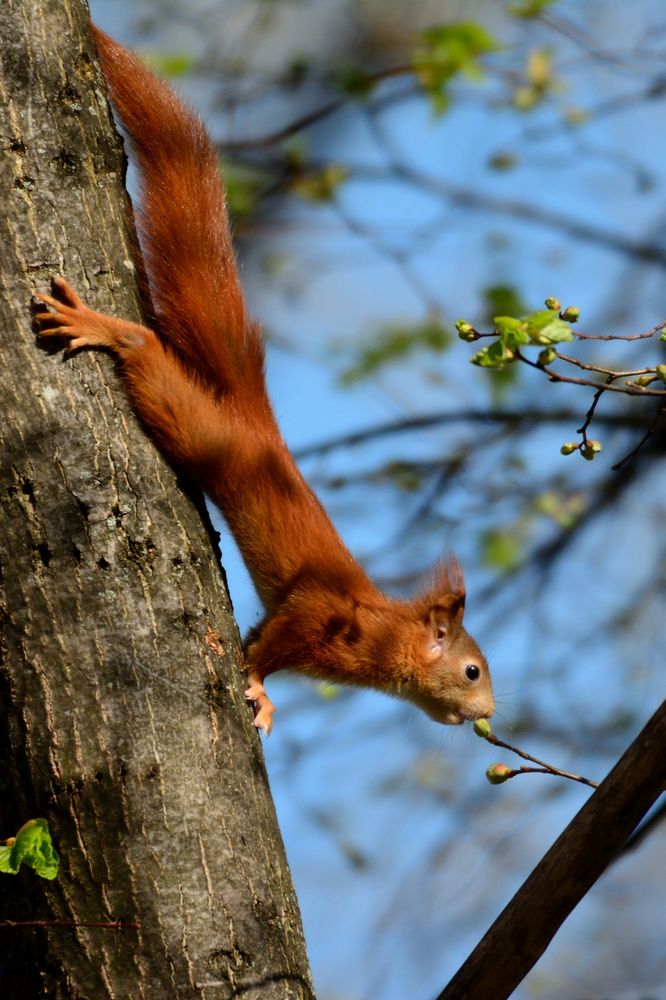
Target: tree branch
592, 840
483, 416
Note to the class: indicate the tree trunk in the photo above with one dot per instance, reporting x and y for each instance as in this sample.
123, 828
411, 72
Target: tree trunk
122, 719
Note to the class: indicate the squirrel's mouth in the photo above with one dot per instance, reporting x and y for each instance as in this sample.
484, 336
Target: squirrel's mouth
447, 717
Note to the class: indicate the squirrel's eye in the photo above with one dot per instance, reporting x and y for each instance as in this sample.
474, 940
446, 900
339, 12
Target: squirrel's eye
472, 672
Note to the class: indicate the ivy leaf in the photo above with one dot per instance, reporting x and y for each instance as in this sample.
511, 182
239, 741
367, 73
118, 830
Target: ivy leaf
31, 846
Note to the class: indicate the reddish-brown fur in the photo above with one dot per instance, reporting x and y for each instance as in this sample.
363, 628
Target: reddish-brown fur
198, 385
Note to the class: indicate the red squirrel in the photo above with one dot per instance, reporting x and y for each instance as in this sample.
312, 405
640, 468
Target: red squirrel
197, 383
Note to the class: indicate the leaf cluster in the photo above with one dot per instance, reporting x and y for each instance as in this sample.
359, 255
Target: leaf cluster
445, 51
32, 846
543, 328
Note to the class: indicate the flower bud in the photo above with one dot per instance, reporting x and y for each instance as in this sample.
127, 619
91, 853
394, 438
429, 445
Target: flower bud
552, 303
482, 728
570, 314
568, 448
661, 372
497, 774
547, 355
466, 331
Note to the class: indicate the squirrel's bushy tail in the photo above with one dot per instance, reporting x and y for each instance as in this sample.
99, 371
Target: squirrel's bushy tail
183, 228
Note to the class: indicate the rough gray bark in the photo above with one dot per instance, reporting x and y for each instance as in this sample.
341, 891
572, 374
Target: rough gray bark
122, 718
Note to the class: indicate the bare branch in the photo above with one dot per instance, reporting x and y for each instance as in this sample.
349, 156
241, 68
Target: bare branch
565, 874
510, 417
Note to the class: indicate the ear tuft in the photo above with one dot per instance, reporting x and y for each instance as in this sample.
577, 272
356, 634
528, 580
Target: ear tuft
442, 602
445, 580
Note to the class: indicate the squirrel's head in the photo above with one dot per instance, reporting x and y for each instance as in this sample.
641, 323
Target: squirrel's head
452, 680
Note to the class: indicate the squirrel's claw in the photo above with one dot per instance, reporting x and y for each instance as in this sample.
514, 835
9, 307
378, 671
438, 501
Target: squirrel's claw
265, 708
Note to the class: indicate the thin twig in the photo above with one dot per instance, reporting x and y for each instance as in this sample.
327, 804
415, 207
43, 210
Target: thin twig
648, 434
116, 925
628, 390
549, 768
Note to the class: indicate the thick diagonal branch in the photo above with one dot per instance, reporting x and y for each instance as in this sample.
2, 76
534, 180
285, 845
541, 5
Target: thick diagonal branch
592, 840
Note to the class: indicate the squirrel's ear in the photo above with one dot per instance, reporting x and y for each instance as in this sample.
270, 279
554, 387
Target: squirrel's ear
445, 613
443, 604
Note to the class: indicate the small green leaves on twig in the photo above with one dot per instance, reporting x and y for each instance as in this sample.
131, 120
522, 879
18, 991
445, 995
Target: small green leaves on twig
32, 846
466, 331
498, 773
513, 336
537, 81
445, 51
542, 328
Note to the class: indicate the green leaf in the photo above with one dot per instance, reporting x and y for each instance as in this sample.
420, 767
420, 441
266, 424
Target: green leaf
320, 185
170, 64
563, 510
512, 332
503, 161
545, 327
502, 300
244, 186
296, 72
528, 8
501, 549
355, 82
328, 691
396, 343
404, 476
31, 846
446, 50
494, 356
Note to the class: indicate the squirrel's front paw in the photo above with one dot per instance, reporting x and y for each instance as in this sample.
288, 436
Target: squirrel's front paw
69, 318
265, 708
